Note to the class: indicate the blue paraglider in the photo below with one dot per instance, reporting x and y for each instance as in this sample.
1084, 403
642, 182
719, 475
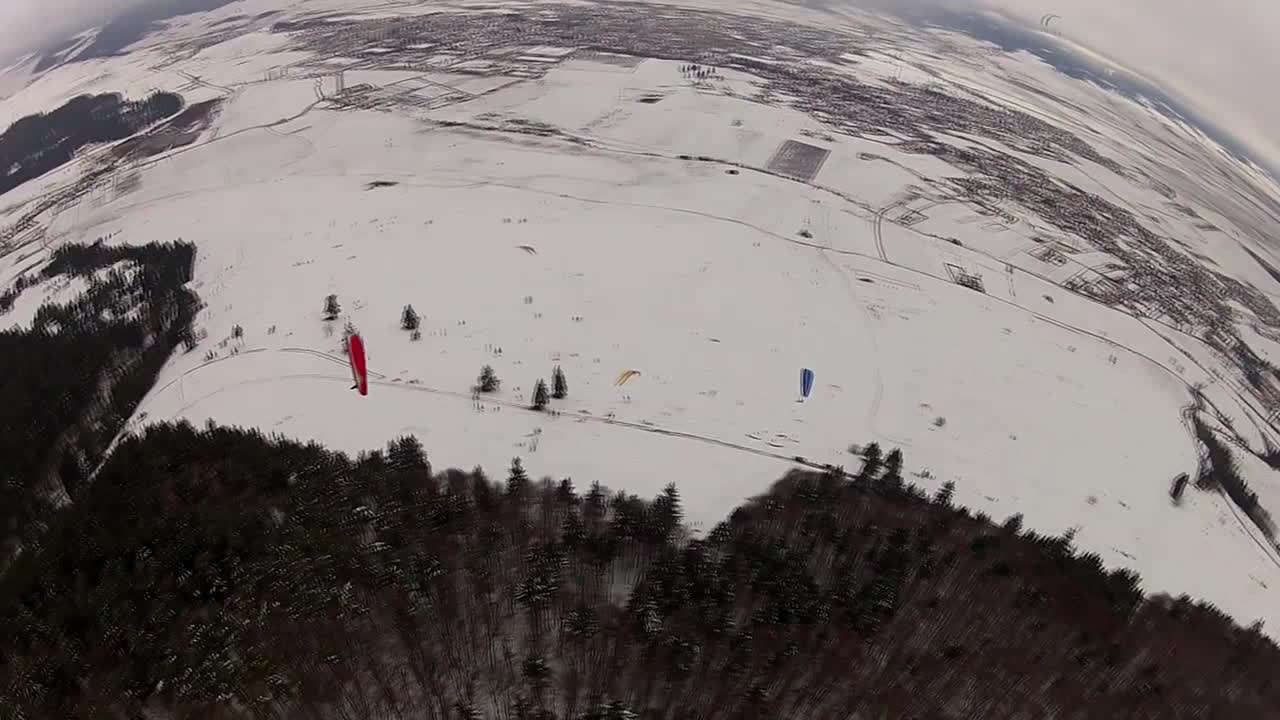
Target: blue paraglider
806, 382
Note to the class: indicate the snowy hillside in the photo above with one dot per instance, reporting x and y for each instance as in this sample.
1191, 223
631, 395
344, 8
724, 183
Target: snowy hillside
615, 213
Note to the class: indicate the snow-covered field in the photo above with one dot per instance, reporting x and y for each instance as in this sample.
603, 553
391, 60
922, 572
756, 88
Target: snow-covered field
718, 281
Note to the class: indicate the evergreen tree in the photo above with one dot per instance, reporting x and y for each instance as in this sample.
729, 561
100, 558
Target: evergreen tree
595, 504
1014, 524
667, 512
559, 386
945, 494
331, 308
488, 381
871, 462
540, 395
565, 493
517, 479
536, 671
409, 319
893, 464
407, 453
237, 332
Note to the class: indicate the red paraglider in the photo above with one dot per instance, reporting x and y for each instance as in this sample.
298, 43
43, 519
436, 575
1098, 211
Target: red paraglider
359, 370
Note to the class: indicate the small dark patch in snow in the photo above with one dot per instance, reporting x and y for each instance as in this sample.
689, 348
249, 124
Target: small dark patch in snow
798, 160
866, 280
731, 171
649, 99
380, 184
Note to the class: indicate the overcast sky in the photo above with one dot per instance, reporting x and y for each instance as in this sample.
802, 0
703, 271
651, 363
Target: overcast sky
27, 24
1218, 56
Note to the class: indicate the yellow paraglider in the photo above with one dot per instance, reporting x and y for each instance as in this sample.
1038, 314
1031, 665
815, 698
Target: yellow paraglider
624, 376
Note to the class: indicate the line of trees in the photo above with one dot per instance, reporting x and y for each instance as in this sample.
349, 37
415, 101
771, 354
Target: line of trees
488, 382
220, 573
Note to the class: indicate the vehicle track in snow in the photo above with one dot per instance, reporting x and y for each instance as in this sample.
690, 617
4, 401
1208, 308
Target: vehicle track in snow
869, 323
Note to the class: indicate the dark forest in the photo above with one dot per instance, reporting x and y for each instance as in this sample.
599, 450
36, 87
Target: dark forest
36, 144
219, 573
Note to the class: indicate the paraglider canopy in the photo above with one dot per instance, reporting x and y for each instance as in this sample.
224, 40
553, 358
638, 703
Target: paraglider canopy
806, 382
625, 375
359, 368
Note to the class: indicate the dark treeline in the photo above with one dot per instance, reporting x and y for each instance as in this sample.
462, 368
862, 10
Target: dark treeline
36, 144
73, 379
220, 574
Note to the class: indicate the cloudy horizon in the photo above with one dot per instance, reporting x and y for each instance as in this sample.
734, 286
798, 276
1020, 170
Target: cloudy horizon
1214, 58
